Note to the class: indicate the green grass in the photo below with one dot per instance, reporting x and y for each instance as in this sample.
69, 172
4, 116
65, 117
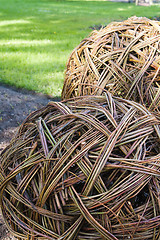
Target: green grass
37, 37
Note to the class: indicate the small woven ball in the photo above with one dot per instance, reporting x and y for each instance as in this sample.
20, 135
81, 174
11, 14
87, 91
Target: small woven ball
83, 169
122, 58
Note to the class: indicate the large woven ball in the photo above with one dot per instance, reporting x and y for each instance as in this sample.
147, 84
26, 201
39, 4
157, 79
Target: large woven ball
123, 58
87, 169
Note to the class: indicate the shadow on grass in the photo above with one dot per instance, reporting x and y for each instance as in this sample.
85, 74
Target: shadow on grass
37, 37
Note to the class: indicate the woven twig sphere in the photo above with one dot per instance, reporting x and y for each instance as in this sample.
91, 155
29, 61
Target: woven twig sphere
87, 169
123, 58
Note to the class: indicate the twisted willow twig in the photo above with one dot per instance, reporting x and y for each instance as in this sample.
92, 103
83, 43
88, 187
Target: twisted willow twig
88, 168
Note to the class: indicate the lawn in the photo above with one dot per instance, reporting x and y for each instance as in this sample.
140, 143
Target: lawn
37, 37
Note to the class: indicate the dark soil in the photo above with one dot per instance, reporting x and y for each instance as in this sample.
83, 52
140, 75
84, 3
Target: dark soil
15, 106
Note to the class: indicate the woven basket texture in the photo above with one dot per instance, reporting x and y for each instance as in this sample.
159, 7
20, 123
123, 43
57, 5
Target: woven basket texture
83, 169
122, 58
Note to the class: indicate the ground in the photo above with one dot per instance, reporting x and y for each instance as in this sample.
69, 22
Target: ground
15, 106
